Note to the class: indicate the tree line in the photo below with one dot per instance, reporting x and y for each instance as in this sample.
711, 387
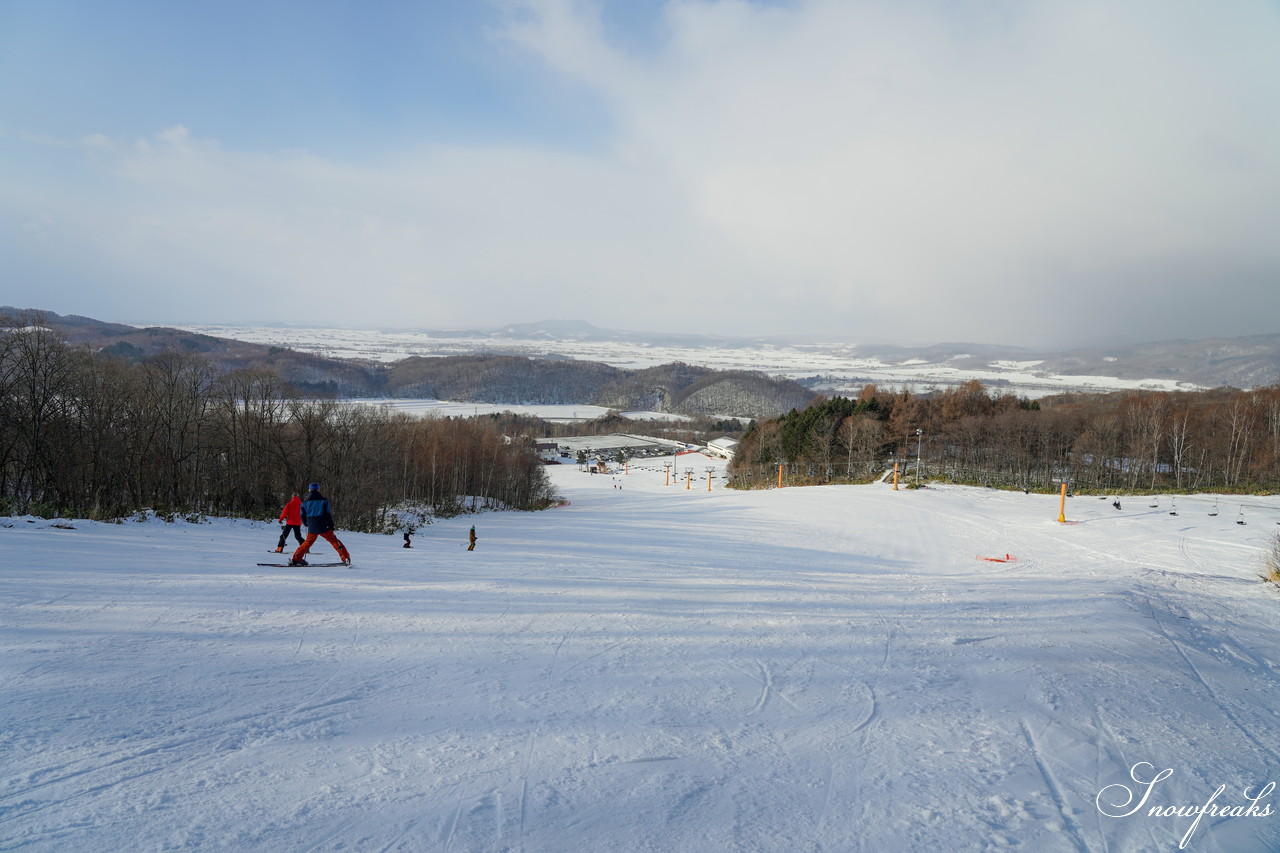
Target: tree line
694, 429
672, 387
1225, 440
92, 435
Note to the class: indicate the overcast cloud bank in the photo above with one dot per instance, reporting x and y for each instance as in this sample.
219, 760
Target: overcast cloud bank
1047, 175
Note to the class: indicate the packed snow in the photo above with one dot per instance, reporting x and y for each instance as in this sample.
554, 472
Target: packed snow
655, 667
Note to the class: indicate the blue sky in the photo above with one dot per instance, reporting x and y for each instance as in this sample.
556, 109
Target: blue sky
1045, 174
342, 79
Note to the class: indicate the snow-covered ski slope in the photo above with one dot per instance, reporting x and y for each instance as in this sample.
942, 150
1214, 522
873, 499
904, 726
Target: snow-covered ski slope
652, 668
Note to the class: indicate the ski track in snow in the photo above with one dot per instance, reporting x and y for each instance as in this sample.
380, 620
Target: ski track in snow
650, 668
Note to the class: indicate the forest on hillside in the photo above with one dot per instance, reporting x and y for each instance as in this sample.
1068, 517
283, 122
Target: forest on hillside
476, 378
687, 430
1223, 440
675, 387
90, 434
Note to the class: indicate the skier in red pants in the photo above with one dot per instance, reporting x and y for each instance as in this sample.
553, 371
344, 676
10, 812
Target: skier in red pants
317, 514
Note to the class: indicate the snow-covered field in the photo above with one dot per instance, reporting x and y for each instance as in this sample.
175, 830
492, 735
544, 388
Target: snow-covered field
654, 668
546, 411
841, 368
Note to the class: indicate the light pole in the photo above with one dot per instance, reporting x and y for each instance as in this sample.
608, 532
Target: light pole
919, 444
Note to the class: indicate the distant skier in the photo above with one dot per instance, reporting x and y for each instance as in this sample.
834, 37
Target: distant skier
407, 542
291, 521
472, 538
1116, 503
317, 514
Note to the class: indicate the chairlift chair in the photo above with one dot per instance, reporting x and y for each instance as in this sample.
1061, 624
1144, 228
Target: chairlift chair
1155, 502
1240, 517
1173, 507
1214, 511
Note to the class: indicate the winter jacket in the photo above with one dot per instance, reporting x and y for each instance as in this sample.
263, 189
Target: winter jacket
292, 512
317, 514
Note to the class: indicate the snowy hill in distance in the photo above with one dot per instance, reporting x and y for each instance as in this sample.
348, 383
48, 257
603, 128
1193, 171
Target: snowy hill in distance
830, 367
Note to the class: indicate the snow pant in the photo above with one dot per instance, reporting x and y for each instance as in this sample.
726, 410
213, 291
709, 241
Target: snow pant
328, 537
284, 534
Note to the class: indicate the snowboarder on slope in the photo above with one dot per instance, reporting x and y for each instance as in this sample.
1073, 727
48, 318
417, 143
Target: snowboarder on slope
317, 514
291, 520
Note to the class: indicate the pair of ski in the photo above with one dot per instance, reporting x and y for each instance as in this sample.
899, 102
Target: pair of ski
307, 566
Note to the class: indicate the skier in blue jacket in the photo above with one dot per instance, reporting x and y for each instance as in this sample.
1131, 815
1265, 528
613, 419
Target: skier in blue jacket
317, 515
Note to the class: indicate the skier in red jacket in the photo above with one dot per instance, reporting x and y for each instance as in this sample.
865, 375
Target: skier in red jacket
291, 519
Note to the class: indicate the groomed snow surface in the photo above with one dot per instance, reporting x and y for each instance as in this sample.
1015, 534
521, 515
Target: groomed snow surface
654, 668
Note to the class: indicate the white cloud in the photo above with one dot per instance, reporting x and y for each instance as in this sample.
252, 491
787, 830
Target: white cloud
447, 235
871, 152
914, 170
99, 141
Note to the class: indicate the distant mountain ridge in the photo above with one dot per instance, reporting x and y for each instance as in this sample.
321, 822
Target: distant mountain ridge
482, 378
1241, 362
1245, 362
